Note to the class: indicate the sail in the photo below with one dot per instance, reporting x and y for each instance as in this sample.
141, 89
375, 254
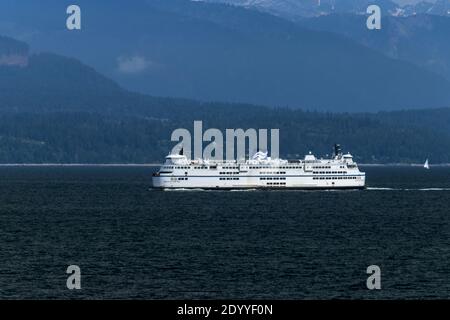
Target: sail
426, 165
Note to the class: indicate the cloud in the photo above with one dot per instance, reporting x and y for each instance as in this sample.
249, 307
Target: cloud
133, 65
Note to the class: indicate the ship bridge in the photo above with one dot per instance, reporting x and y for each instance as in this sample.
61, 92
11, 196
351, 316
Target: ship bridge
176, 159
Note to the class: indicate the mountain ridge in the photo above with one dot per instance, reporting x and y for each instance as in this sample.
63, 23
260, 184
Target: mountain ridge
221, 53
419, 39
297, 10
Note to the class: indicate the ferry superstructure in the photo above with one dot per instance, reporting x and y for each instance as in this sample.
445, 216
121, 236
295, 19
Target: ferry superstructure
260, 172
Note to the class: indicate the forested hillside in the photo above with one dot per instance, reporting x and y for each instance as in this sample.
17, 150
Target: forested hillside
59, 110
81, 137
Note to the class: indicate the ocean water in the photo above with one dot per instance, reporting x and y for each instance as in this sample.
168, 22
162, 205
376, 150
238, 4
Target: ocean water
132, 242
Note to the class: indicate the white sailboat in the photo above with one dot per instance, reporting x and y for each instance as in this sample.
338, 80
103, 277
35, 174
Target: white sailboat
426, 165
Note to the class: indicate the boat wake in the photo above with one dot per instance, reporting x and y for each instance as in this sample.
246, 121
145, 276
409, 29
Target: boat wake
429, 189
407, 189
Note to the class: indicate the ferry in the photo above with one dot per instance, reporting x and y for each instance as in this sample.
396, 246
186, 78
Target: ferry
260, 172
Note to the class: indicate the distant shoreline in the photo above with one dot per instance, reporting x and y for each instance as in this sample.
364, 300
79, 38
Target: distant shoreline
159, 164
402, 164
80, 164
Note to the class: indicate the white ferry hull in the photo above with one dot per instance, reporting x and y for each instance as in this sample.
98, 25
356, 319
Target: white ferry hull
260, 172
211, 182
199, 183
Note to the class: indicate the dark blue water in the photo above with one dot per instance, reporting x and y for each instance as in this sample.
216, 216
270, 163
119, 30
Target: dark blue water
131, 242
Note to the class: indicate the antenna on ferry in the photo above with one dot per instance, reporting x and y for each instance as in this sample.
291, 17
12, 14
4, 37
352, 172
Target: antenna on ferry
337, 150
